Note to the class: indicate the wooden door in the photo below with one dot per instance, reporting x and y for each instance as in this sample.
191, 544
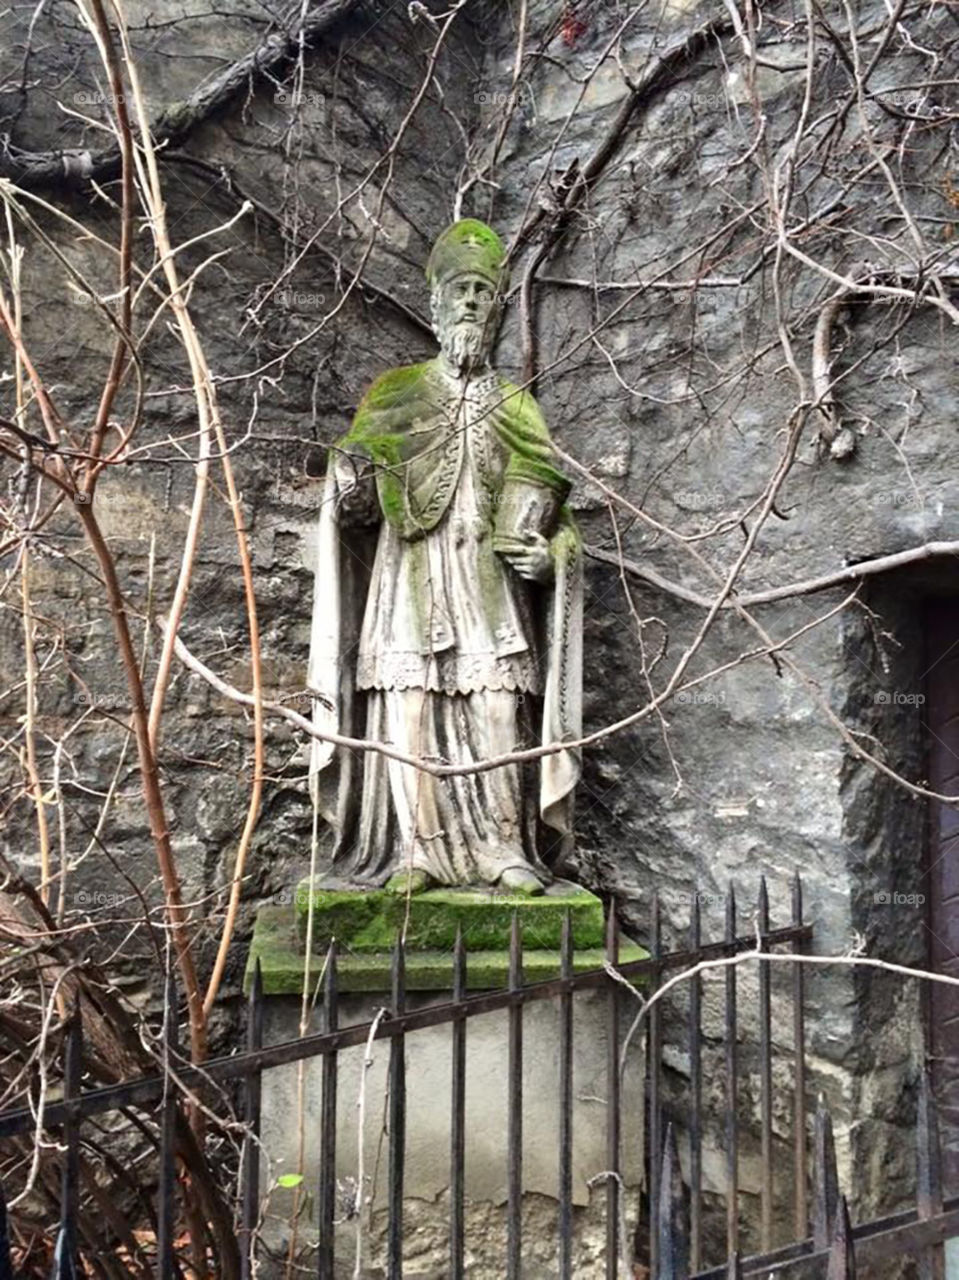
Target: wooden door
942, 738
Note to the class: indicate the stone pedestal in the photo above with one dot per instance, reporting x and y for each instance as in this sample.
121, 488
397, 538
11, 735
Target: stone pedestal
364, 926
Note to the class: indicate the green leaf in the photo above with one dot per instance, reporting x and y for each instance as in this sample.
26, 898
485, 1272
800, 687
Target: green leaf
289, 1179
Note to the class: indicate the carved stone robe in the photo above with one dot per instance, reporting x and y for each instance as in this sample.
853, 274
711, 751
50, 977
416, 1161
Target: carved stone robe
425, 638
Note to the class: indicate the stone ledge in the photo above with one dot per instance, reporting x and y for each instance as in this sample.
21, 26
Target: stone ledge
368, 920
277, 946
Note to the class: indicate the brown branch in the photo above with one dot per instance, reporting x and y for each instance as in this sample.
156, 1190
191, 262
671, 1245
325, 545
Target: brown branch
228, 178
123, 342
840, 439
660, 74
149, 774
113, 1049
808, 586
74, 167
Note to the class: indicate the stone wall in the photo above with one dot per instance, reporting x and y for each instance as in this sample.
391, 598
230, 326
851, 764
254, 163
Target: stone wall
681, 404
767, 784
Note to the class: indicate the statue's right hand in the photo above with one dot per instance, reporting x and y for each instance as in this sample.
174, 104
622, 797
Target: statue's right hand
352, 472
348, 467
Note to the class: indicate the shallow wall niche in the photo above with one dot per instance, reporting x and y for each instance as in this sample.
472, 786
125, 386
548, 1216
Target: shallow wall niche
886, 834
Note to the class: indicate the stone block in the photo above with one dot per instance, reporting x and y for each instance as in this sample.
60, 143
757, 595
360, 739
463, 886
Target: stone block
365, 925
368, 920
292, 1094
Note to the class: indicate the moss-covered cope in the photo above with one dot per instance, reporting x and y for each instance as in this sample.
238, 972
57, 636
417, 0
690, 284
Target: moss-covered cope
403, 425
366, 924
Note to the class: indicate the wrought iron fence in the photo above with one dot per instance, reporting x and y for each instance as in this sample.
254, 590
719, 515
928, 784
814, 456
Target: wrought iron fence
833, 1248
671, 1230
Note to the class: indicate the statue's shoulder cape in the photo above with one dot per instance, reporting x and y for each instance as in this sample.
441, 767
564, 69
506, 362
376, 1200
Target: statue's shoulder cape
522, 428
408, 424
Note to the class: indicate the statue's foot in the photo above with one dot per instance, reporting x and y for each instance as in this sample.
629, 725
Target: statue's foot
519, 880
405, 883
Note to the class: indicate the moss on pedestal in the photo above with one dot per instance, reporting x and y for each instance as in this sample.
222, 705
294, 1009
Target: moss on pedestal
366, 925
367, 921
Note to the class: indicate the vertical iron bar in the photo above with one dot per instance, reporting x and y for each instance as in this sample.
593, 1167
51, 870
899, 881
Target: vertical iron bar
671, 1223
6, 1261
65, 1257
929, 1177
842, 1253
696, 1096
397, 1152
250, 1212
765, 1077
655, 1053
166, 1208
514, 1132
458, 1116
732, 1133
826, 1186
325, 1260
566, 1106
613, 1103
801, 1224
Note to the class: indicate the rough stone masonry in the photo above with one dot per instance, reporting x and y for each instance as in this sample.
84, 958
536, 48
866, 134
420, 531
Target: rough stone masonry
650, 300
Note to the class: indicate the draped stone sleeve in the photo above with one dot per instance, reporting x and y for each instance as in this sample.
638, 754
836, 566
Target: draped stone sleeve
532, 460
325, 670
344, 553
563, 699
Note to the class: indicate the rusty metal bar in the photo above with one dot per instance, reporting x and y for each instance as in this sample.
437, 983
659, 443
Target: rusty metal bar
654, 1055
166, 1204
326, 1191
671, 1225
397, 1121
765, 1077
928, 1176
250, 1160
893, 1236
826, 1184
566, 1108
842, 1254
613, 1101
695, 1097
878, 1242
514, 1120
800, 1161
6, 1261
732, 1088
458, 1117
149, 1089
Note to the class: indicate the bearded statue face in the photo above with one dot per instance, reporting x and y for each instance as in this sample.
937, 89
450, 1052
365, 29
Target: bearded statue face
465, 317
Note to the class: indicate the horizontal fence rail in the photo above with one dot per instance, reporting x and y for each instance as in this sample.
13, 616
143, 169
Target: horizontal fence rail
149, 1089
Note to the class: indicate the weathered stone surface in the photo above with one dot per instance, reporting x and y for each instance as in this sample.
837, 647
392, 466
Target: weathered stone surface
426, 1179
277, 946
690, 436
426, 1229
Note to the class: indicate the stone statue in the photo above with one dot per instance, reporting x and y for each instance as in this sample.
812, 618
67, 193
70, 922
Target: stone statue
447, 616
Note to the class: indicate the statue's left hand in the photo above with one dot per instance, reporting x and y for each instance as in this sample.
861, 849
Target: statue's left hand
530, 556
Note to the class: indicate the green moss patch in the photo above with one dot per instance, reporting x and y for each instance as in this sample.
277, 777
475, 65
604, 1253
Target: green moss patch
366, 921
277, 946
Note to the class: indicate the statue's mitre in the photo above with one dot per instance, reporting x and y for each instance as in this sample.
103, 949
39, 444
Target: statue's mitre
468, 247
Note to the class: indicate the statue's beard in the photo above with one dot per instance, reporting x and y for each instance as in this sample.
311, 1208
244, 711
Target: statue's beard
465, 345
